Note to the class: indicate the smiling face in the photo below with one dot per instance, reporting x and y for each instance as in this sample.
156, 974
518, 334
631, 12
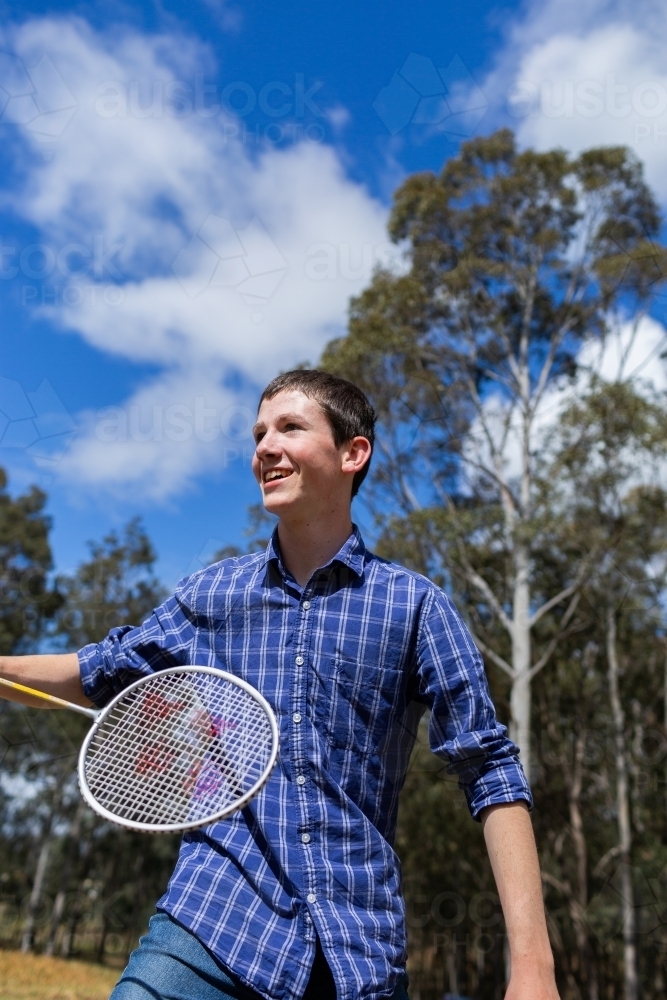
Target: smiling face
297, 464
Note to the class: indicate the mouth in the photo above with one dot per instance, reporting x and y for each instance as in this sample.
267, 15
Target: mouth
275, 476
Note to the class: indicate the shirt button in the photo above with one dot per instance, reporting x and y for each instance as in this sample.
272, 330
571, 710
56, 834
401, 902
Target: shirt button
305, 838
300, 780
305, 605
299, 661
297, 717
311, 897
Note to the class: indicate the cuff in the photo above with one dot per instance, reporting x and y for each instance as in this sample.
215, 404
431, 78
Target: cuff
94, 680
500, 783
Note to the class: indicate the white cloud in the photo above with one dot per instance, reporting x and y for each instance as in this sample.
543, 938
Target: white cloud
631, 350
133, 178
580, 74
156, 442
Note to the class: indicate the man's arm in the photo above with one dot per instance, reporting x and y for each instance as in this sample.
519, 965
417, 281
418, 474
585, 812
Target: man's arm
510, 842
56, 674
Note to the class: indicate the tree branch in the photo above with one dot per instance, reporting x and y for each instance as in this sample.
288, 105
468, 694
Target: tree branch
493, 656
409, 497
485, 590
546, 656
568, 591
475, 579
608, 856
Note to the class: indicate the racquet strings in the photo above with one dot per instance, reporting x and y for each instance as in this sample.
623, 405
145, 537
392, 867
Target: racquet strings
178, 749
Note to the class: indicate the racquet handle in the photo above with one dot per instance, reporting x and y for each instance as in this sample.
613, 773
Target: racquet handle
51, 698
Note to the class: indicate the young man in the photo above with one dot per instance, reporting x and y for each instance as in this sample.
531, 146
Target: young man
299, 895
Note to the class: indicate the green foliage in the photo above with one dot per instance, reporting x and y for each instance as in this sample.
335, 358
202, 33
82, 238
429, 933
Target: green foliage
455, 926
515, 259
101, 882
26, 597
116, 586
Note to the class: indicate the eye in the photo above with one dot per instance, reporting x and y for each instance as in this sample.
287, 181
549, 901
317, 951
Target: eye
258, 436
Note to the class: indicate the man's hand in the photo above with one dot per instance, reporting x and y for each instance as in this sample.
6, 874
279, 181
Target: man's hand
532, 983
511, 845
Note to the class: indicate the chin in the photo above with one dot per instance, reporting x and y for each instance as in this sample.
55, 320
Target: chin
275, 505
280, 505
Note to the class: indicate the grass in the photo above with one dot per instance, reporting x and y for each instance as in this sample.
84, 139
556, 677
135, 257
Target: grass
37, 977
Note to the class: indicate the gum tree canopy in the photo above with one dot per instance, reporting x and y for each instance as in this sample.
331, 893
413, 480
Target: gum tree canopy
26, 597
515, 259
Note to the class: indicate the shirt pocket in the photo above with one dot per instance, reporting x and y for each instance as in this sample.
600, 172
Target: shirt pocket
364, 703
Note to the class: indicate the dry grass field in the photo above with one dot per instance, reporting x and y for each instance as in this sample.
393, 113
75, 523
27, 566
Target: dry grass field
36, 977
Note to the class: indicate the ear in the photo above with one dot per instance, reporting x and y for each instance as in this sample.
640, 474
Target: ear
355, 454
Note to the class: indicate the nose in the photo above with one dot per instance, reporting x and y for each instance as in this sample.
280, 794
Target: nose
267, 447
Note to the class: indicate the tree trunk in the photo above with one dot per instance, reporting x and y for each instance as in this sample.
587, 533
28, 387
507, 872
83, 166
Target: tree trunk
28, 937
59, 905
665, 726
520, 696
623, 810
109, 879
587, 961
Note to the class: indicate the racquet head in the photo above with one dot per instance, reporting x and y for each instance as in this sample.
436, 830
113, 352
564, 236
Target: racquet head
177, 750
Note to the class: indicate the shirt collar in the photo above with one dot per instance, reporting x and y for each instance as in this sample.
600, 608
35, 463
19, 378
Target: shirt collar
351, 554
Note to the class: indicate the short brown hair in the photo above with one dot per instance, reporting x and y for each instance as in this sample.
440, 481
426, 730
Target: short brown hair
346, 407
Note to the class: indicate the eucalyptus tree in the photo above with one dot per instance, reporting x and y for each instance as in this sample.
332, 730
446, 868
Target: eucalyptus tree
115, 586
612, 449
48, 833
514, 260
27, 599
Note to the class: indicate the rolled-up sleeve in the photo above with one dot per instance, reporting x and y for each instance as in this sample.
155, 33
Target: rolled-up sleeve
166, 639
464, 730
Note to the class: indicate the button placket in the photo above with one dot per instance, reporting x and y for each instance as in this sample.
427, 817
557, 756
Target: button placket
300, 741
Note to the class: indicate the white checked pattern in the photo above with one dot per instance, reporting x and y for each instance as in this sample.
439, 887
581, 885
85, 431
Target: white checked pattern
348, 663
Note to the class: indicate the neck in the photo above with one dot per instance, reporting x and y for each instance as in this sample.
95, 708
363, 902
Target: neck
305, 544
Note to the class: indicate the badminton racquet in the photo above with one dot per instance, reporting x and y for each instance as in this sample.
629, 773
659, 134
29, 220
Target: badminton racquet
176, 750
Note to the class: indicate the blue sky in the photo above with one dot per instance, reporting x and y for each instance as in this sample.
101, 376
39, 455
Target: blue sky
190, 193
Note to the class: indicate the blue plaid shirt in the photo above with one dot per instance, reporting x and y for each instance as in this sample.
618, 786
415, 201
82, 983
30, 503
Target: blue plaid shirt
349, 662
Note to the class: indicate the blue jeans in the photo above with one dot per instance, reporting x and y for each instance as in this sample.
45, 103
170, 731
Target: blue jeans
172, 964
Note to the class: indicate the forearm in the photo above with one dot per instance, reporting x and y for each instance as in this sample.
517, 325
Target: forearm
510, 842
54, 673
